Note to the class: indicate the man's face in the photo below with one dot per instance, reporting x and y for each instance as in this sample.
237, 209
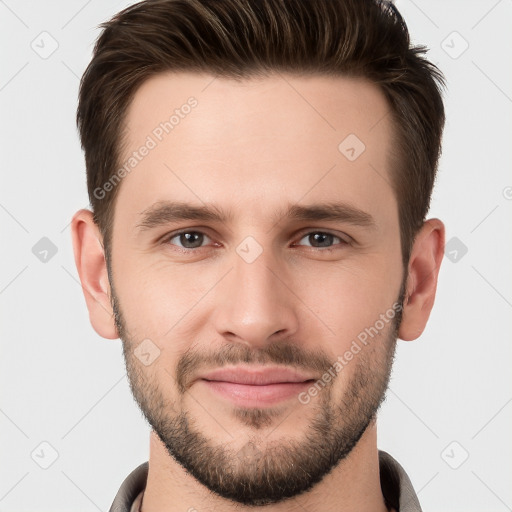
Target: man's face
259, 289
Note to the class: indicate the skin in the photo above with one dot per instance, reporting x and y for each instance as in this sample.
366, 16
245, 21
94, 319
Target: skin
252, 148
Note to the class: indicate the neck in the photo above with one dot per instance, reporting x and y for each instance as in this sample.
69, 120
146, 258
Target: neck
353, 485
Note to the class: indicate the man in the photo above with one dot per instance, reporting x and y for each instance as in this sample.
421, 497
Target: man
260, 174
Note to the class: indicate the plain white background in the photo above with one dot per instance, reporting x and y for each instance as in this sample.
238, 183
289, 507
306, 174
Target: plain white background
448, 414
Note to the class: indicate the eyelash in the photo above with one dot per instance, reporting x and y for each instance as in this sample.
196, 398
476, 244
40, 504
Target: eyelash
168, 238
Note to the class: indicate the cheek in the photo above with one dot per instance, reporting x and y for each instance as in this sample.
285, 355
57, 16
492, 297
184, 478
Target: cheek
349, 298
161, 301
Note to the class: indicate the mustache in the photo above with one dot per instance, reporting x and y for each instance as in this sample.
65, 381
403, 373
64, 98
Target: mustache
287, 354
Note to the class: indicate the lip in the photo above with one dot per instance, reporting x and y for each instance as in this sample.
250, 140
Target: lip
257, 375
256, 386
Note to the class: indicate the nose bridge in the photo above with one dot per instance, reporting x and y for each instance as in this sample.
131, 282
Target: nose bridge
255, 270
256, 303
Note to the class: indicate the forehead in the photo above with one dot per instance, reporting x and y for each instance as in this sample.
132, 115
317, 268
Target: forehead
332, 105
260, 141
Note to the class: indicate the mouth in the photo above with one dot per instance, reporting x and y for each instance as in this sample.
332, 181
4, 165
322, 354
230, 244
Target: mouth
256, 386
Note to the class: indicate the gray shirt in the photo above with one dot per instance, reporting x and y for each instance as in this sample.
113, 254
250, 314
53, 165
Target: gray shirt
396, 487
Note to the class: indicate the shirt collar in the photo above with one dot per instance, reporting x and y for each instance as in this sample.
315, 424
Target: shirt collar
396, 487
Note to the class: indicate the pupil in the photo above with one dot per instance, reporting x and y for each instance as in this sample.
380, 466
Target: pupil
322, 238
187, 238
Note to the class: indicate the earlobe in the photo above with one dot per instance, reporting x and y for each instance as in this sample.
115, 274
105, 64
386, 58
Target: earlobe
92, 269
424, 264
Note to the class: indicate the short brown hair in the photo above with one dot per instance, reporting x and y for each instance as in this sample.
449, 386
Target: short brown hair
244, 38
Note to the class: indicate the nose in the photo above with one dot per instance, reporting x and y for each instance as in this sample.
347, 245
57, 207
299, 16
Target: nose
255, 303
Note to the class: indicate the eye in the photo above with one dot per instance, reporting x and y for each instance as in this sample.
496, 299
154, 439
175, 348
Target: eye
187, 239
322, 239
195, 239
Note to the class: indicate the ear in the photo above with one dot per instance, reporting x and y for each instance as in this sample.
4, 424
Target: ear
92, 269
424, 263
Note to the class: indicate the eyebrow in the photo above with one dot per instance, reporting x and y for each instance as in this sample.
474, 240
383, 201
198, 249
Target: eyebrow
165, 212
